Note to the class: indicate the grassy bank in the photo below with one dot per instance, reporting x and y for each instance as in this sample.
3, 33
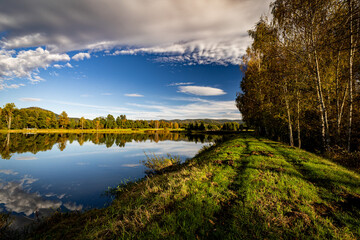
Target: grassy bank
128, 130
243, 188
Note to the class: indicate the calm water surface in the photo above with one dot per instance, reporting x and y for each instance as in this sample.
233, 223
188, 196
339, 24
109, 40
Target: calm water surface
45, 172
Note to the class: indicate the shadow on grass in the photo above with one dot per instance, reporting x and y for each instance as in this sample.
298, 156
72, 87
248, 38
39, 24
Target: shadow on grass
333, 185
327, 176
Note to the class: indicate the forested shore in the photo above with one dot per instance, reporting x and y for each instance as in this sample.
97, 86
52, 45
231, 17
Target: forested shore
39, 120
302, 71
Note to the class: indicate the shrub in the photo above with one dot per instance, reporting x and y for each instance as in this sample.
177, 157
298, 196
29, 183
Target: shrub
160, 163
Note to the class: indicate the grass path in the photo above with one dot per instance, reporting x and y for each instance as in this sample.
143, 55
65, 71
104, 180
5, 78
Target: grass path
242, 188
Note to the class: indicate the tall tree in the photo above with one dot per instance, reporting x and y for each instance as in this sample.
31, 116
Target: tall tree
8, 112
64, 120
82, 121
301, 71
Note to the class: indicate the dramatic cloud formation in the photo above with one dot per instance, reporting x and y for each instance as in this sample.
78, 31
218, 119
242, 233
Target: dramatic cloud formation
201, 91
202, 31
218, 51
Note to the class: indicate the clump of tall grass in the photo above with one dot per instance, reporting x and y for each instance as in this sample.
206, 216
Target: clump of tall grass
4, 221
159, 163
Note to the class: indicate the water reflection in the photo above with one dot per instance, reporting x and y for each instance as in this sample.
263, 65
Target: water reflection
34, 143
16, 197
71, 171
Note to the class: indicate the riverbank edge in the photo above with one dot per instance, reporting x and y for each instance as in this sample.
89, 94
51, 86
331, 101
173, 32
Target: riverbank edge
123, 131
243, 187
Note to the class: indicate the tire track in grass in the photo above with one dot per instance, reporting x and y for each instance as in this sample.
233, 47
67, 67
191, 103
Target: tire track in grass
225, 216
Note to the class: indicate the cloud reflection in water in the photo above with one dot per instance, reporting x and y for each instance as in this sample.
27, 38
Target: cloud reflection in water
15, 196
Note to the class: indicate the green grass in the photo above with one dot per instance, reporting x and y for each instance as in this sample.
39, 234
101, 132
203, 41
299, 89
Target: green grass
242, 188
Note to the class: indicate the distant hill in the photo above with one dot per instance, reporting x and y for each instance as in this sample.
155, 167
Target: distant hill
186, 121
41, 109
45, 110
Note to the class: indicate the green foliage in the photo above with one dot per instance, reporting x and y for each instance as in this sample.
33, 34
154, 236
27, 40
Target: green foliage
64, 120
297, 74
201, 126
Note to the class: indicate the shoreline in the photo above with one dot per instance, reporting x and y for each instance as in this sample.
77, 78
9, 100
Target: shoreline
243, 186
140, 130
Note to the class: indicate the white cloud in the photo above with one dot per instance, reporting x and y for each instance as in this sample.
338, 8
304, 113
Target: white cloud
201, 91
189, 99
25, 64
11, 86
81, 56
218, 51
133, 95
201, 31
131, 165
26, 158
68, 65
30, 99
62, 66
180, 84
200, 109
106, 94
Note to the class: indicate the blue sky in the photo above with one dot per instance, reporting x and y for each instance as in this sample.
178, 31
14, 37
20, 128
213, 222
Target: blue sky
146, 59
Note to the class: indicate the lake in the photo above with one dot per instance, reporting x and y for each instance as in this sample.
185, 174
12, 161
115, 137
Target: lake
41, 173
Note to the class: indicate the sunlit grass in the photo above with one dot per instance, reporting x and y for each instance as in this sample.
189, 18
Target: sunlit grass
158, 164
243, 188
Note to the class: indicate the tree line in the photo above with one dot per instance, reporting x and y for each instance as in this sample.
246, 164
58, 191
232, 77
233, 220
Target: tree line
37, 118
302, 74
227, 126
